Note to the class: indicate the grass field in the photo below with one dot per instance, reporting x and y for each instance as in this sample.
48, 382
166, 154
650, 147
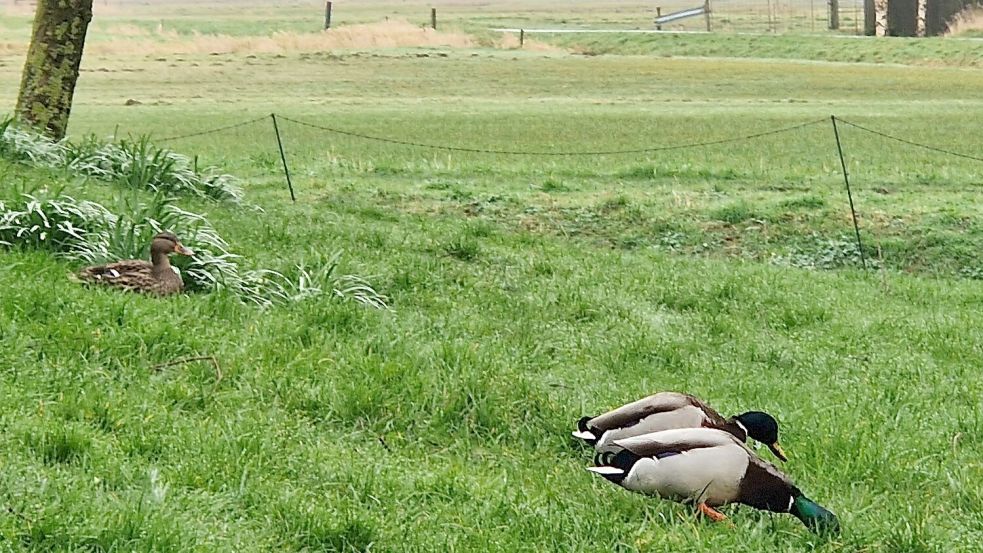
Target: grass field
525, 291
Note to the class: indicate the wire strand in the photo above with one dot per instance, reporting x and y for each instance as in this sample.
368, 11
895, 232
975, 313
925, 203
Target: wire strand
909, 142
575, 153
213, 131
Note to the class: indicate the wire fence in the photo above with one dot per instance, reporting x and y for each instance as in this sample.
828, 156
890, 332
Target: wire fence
653, 149
278, 160
216, 130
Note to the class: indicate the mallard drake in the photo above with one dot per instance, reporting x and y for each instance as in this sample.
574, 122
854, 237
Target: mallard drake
707, 467
667, 410
153, 277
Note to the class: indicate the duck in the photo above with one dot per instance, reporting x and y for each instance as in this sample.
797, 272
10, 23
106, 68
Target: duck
668, 410
156, 277
708, 467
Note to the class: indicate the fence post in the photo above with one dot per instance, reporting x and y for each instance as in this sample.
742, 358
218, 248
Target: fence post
849, 194
834, 15
522, 37
658, 14
327, 16
706, 13
283, 157
433, 18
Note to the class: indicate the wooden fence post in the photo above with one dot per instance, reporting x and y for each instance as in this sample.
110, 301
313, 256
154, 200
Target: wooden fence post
522, 37
433, 18
834, 15
327, 16
658, 14
706, 13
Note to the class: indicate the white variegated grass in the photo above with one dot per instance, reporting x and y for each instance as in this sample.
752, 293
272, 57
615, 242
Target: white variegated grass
87, 231
136, 163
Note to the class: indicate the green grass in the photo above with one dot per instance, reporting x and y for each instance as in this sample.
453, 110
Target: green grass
526, 291
910, 51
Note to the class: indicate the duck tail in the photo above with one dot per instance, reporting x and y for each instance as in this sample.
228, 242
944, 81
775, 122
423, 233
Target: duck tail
614, 465
584, 432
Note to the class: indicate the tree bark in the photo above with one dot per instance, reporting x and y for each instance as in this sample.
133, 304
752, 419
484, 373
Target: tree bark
870, 18
901, 17
52, 66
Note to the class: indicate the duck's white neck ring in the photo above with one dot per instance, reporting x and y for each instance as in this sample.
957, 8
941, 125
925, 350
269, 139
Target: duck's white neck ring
741, 426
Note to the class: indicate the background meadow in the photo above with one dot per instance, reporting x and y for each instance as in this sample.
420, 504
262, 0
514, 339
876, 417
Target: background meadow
523, 291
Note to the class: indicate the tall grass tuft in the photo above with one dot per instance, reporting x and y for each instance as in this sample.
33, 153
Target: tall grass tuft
141, 165
28, 147
87, 231
134, 163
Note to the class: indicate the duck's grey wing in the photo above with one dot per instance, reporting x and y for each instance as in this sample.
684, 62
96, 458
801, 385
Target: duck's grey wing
630, 413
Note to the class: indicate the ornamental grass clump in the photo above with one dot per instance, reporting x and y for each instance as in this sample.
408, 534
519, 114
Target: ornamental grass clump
86, 231
134, 163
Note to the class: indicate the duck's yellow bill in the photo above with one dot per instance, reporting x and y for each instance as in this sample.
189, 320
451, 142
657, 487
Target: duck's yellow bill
777, 450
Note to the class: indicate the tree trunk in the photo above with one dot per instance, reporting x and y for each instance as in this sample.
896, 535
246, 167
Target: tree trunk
52, 66
870, 18
901, 17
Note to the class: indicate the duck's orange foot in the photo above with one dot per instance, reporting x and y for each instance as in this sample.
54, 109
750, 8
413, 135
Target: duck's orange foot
711, 513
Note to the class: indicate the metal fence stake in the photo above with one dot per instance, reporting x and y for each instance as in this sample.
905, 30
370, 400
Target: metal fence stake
849, 194
283, 157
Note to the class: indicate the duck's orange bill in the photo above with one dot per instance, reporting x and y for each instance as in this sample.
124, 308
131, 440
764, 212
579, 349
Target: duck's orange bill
182, 249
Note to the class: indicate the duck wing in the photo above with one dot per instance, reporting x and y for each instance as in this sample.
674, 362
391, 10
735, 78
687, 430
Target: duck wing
131, 274
631, 413
714, 419
661, 411
678, 440
685, 464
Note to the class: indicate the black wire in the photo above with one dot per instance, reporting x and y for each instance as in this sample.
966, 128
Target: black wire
909, 142
212, 131
586, 153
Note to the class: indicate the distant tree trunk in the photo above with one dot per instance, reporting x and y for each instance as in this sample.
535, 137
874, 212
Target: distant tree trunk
920, 19
901, 17
52, 66
880, 18
870, 18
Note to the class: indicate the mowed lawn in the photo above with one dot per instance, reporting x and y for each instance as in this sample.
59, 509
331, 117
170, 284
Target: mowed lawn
525, 291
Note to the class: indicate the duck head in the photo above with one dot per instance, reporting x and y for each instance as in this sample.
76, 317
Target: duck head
762, 427
815, 517
166, 243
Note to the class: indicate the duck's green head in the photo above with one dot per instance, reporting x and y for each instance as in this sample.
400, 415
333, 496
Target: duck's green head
763, 428
816, 517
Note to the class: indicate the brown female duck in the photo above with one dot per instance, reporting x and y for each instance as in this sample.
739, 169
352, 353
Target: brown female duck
153, 277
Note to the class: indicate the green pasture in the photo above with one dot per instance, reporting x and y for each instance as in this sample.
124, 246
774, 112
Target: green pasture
525, 291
